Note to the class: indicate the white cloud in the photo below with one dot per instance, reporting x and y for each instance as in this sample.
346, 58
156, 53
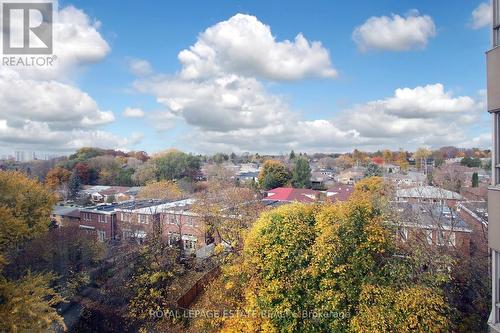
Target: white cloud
482, 16
39, 136
395, 33
245, 46
77, 42
231, 110
41, 109
140, 67
55, 103
133, 113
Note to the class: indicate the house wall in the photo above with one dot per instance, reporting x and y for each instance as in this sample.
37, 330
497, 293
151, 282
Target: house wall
106, 223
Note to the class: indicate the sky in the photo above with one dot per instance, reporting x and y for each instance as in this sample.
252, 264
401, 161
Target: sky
254, 76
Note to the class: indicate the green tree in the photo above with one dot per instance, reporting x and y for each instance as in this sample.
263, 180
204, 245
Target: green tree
273, 174
475, 179
74, 186
373, 170
292, 155
174, 165
301, 174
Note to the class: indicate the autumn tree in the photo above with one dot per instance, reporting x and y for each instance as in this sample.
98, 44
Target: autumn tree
387, 156
273, 174
344, 162
227, 211
421, 156
163, 190
25, 207
28, 300
402, 161
57, 177
301, 173
332, 268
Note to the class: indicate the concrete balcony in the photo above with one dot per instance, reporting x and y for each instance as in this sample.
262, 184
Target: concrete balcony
494, 217
493, 74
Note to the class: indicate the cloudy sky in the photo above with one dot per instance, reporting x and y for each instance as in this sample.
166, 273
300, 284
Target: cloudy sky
257, 76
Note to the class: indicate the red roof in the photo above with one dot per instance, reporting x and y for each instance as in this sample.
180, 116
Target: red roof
339, 192
292, 194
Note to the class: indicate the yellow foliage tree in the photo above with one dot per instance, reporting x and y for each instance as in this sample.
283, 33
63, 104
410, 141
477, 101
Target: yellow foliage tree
308, 268
57, 177
163, 189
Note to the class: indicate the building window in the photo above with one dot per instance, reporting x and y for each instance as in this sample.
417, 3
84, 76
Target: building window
428, 236
173, 238
102, 218
403, 234
101, 235
143, 218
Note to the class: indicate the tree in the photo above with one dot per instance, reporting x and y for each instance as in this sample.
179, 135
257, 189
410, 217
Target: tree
174, 164
227, 211
421, 156
292, 155
57, 177
144, 173
301, 174
344, 162
373, 170
402, 161
387, 156
450, 177
273, 174
324, 269
475, 179
74, 185
163, 189
26, 302
471, 162
25, 207
83, 172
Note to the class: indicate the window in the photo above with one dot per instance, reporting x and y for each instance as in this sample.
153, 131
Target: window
447, 238
428, 236
143, 218
86, 216
102, 218
101, 235
403, 234
173, 238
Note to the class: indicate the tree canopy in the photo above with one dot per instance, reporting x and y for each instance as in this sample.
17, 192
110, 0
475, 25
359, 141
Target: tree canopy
301, 173
330, 268
273, 174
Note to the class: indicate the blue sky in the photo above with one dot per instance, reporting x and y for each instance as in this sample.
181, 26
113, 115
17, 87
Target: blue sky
443, 67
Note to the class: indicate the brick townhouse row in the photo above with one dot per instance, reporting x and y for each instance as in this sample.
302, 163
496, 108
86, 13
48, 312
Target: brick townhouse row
138, 219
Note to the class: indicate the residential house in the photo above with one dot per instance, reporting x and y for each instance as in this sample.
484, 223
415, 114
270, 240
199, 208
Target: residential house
429, 194
435, 224
65, 216
289, 194
339, 192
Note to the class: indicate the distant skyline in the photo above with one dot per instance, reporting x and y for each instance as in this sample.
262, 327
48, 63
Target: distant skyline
254, 76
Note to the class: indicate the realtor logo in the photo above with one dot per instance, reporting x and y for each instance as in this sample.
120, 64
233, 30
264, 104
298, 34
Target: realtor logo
27, 27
